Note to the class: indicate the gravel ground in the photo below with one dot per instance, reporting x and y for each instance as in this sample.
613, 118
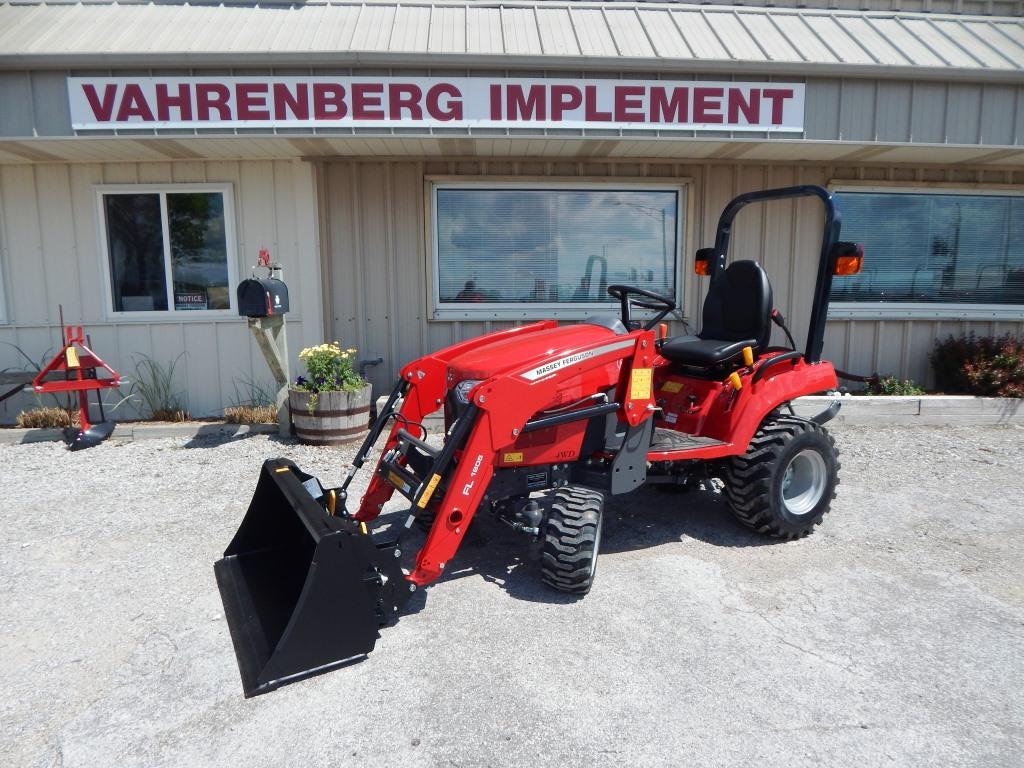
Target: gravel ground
893, 636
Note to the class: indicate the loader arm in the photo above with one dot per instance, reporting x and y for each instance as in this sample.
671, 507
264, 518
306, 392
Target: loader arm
500, 409
423, 384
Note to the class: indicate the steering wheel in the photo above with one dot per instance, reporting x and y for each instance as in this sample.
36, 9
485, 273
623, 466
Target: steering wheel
660, 304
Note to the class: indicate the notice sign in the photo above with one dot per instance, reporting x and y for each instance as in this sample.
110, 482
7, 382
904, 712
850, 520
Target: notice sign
189, 300
410, 102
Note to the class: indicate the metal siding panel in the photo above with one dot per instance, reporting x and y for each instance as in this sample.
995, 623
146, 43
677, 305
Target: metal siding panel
959, 34
520, 29
628, 32
803, 37
93, 273
447, 30
337, 28
875, 45
892, 121
373, 31
342, 196
57, 241
857, 115
698, 35
664, 35
741, 46
411, 30
29, 297
963, 113
989, 33
592, 32
822, 106
408, 326
204, 380
834, 35
931, 33
16, 98
928, 113
903, 39
1014, 31
50, 104
760, 27
556, 32
373, 251
483, 31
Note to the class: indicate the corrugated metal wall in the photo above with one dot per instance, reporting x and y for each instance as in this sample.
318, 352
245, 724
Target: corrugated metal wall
376, 254
49, 253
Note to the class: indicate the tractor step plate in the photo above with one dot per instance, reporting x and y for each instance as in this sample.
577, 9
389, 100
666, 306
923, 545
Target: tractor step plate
670, 440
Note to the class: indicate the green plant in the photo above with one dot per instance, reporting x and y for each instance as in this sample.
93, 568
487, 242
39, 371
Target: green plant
248, 392
890, 385
154, 386
980, 365
330, 369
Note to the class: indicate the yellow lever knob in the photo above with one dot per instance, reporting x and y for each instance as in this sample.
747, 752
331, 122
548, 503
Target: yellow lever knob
748, 356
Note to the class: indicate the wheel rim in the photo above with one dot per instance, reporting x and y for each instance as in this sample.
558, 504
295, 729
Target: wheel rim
597, 546
804, 482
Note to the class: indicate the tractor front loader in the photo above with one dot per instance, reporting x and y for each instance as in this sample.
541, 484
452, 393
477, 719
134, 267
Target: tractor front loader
542, 423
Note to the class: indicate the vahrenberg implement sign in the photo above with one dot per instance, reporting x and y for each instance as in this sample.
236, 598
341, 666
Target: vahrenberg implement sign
409, 102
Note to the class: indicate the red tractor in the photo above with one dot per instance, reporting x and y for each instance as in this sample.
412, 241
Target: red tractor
542, 422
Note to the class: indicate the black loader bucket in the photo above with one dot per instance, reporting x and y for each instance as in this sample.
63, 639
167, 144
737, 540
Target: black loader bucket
303, 591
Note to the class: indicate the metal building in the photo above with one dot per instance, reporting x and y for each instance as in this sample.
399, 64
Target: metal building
432, 169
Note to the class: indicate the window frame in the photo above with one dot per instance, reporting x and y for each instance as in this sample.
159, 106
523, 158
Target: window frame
896, 310
230, 247
438, 311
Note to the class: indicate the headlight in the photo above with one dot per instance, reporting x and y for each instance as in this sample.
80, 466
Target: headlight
462, 390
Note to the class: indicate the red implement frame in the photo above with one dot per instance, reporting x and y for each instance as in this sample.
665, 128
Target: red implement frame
81, 367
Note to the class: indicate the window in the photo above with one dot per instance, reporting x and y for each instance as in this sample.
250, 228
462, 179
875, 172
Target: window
526, 250
935, 253
168, 249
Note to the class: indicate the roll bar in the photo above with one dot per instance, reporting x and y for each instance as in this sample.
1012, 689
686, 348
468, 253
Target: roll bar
830, 236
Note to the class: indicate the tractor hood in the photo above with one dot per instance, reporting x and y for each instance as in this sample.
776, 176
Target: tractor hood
543, 347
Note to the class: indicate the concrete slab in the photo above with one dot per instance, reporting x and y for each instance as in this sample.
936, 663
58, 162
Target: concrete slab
891, 636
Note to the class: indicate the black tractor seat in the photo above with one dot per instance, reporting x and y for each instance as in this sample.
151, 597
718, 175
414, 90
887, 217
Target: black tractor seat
703, 353
736, 314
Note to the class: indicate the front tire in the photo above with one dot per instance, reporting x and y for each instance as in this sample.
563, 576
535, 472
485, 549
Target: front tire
784, 484
571, 539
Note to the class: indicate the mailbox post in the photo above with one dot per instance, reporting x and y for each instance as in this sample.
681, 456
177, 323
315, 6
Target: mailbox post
265, 303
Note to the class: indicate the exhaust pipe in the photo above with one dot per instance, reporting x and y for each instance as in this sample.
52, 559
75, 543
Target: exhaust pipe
304, 591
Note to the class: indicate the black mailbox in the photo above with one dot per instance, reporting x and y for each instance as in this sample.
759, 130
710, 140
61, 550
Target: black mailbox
262, 297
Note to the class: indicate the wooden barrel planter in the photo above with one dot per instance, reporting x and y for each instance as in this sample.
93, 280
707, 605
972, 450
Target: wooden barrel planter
336, 419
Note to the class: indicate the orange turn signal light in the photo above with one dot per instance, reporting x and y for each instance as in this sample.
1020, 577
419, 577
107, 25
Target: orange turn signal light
702, 264
850, 260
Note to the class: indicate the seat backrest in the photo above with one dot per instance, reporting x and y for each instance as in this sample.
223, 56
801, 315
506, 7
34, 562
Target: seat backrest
739, 305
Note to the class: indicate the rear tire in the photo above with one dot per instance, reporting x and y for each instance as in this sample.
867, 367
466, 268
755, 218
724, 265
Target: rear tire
571, 539
784, 484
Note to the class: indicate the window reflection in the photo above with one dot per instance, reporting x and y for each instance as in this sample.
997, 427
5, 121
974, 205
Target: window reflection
934, 248
553, 245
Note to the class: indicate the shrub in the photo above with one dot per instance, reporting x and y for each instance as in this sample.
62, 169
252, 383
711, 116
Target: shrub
154, 385
985, 365
47, 418
890, 385
251, 414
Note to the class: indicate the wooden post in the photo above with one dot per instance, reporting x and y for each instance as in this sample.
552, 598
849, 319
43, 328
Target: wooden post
273, 343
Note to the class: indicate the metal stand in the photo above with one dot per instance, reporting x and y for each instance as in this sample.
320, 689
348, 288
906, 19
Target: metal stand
273, 343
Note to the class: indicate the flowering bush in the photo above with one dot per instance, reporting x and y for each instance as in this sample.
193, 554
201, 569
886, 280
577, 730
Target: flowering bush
330, 369
984, 365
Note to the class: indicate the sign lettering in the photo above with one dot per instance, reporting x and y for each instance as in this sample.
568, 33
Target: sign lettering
467, 102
